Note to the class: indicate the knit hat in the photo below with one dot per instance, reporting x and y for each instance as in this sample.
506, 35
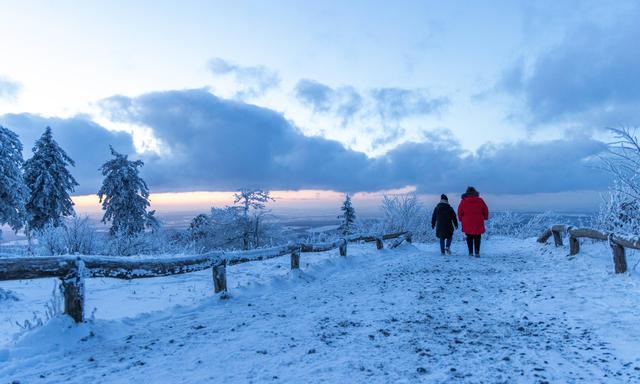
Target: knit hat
444, 197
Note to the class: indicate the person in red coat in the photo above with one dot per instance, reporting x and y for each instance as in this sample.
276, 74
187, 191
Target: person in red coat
472, 212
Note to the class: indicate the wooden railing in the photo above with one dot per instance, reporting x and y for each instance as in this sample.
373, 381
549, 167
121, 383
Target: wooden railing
72, 270
617, 243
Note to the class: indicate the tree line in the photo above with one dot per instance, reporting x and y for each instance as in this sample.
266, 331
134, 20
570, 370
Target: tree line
36, 194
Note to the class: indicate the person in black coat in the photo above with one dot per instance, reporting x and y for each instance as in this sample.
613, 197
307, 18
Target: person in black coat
444, 220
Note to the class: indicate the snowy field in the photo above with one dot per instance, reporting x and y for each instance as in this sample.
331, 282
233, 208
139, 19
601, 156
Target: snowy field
523, 313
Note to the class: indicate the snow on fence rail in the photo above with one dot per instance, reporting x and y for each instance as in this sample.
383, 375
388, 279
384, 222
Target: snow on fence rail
617, 243
72, 270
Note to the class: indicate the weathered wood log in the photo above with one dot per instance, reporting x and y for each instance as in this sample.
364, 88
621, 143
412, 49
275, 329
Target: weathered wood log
295, 259
545, 236
240, 257
130, 268
343, 248
557, 238
16, 268
379, 243
395, 235
372, 238
588, 233
617, 243
219, 272
320, 247
73, 291
619, 258
574, 245
562, 228
633, 243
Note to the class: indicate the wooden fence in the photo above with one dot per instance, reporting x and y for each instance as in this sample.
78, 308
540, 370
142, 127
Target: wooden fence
72, 270
617, 243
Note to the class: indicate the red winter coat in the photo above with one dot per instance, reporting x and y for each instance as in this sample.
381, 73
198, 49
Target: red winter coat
472, 212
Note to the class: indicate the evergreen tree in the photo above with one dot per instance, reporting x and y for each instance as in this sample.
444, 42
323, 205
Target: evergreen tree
50, 182
125, 197
348, 217
13, 191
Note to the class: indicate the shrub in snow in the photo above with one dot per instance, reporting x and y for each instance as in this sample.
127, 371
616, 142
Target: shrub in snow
623, 161
619, 212
7, 295
404, 212
230, 228
51, 241
13, 191
620, 209
76, 236
53, 308
80, 236
50, 183
504, 223
521, 226
348, 217
125, 197
144, 243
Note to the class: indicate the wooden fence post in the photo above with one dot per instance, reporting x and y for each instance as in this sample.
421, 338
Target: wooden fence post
619, 257
295, 259
379, 243
343, 248
574, 245
557, 238
73, 291
220, 277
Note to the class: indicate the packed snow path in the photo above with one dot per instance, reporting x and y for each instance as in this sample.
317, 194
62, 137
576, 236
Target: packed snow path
521, 313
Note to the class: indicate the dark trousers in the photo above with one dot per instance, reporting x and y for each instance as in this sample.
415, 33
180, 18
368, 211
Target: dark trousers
445, 242
473, 243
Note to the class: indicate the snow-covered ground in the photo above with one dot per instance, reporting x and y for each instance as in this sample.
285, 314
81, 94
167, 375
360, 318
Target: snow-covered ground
521, 313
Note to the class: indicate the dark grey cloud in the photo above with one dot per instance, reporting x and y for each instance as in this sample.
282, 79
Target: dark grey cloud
390, 104
85, 141
224, 144
343, 102
218, 144
9, 89
316, 95
591, 77
253, 80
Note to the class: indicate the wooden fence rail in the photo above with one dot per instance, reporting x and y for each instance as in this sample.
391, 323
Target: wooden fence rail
616, 242
72, 270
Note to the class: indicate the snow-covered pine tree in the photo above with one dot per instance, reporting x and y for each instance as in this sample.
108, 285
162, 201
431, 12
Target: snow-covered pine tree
125, 197
50, 183
348, 217
13, 191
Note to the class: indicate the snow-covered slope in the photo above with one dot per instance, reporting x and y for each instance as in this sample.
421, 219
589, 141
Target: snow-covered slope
521, 313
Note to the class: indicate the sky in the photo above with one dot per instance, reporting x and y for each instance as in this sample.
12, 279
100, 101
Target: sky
328, 97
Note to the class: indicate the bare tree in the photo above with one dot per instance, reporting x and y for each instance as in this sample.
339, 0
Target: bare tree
404, 212
623, 160
252, 200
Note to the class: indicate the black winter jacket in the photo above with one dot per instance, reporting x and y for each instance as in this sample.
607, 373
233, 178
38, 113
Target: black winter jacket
444, 219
